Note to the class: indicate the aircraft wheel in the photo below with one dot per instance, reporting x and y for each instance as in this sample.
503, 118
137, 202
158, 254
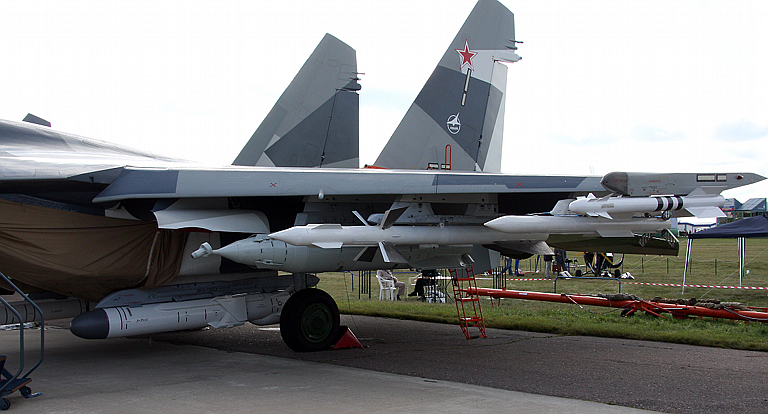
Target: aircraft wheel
309, 321
4, 404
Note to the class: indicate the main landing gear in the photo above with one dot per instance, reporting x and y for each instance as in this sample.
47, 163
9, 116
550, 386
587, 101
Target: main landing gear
601, 264
309, 321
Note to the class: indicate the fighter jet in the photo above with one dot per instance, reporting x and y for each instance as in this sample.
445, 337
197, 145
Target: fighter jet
152, 244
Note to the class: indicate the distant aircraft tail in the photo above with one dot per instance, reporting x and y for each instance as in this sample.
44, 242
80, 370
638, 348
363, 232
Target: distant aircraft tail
315, 123
456, 121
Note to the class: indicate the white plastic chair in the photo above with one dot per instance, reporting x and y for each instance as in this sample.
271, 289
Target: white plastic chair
387, 288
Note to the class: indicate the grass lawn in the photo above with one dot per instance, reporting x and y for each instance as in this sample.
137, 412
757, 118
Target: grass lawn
715, 263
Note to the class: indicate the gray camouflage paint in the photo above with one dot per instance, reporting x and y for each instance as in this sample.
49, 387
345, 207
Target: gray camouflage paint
315, 123
423, 134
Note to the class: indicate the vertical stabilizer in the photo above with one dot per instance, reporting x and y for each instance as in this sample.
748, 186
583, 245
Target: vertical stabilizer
315, 123
456, 121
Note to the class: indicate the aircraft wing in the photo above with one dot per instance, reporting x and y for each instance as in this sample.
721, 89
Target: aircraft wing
134, 183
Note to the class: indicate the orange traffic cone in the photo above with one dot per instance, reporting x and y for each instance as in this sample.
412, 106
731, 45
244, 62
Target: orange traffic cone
347, 340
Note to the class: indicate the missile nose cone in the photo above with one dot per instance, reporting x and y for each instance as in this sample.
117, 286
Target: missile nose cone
91, 325
288, 236
618, 182
498, 224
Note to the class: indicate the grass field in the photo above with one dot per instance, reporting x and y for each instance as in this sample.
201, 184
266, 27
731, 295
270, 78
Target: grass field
715, 263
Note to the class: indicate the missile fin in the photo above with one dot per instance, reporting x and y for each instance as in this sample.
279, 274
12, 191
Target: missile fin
328, 245
365, 222
366, 255
390, 254
561, 208
615, 233
706, 212
605, 215
236, 314
706, 191
391, 216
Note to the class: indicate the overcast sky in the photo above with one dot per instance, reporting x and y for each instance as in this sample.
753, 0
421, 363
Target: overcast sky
652, 86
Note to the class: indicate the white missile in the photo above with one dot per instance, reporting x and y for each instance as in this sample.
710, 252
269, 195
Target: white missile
385, 236
502, 229
699, 205
578, 225
528, 229
223, 311
332, 236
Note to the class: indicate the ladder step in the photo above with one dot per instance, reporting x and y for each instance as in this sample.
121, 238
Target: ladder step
471, 319
461, 295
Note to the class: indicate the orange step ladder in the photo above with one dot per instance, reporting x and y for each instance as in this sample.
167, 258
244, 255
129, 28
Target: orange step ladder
467, 305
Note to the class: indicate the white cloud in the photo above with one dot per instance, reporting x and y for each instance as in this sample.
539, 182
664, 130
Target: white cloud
740, 131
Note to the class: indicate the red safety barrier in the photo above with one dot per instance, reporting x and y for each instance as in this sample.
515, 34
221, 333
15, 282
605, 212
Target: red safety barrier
654, 308
700, 286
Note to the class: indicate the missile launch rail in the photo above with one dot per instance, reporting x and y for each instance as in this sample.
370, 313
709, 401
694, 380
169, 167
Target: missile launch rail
10, 383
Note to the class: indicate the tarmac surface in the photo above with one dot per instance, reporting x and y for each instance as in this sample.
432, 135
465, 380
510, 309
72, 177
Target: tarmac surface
407, 367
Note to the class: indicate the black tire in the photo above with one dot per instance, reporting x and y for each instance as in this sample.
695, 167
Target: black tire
625, 313
25, 391
309, 321
4, 404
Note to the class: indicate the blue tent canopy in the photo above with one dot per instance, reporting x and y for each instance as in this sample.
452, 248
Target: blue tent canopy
750, 227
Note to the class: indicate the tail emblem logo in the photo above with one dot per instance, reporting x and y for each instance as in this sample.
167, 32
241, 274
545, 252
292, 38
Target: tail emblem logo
466, 56
454, 124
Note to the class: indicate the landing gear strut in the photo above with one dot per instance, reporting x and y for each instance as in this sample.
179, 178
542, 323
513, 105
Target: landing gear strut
309, 321
601, 263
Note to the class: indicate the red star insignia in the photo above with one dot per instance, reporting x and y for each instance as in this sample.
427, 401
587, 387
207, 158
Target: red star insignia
466, 56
